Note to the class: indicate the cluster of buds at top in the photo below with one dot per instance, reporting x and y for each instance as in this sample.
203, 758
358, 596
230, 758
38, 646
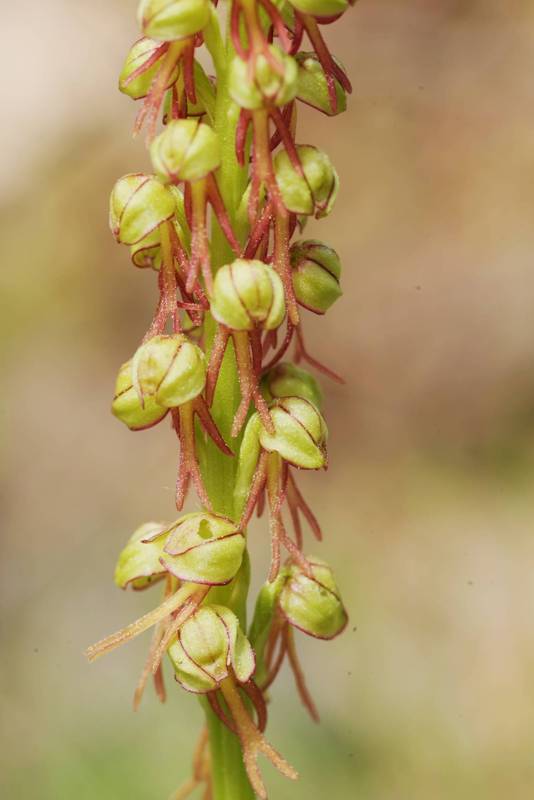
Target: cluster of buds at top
237, 297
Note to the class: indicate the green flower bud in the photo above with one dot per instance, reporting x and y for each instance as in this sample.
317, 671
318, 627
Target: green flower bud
186, 150
139, 563
249, 453
264, 615
204, 548
248, 294
208, 645
265, 84
127, 406
313, 194
147, 252
138, 205
313, 604
142, 52
321, 8
288, 380
316, 272
167, 20
300, 433
312, 86
169, 369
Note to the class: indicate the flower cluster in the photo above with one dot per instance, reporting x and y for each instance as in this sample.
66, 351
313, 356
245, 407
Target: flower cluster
233, 286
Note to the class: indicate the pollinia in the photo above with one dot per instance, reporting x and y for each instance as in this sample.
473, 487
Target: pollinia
217, 221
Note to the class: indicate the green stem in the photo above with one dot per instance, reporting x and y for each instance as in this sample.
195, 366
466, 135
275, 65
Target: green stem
230, 781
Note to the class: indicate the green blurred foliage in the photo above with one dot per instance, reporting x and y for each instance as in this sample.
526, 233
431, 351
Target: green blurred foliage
427, 504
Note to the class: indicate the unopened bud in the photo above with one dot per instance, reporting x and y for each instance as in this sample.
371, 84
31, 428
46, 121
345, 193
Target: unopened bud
264, 615
138, 205
248, 294
144, 59
300, 433
169, 369
186, 150
146, 254
127, 405
263, 84
288, 380
139, 563
167, 20
249, 453
313, 194
312, 86
313, 604
316, 272
209, 646
204, 548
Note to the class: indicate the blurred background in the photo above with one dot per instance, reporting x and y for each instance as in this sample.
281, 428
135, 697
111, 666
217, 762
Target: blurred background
428, 502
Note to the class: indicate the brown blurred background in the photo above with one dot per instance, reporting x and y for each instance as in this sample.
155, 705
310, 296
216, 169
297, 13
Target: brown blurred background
428, 503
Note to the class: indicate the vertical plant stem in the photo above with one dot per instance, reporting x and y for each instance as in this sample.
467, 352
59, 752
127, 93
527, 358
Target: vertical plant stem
230, 781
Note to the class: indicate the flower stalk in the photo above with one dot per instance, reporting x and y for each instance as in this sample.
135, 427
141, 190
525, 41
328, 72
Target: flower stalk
216, 221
